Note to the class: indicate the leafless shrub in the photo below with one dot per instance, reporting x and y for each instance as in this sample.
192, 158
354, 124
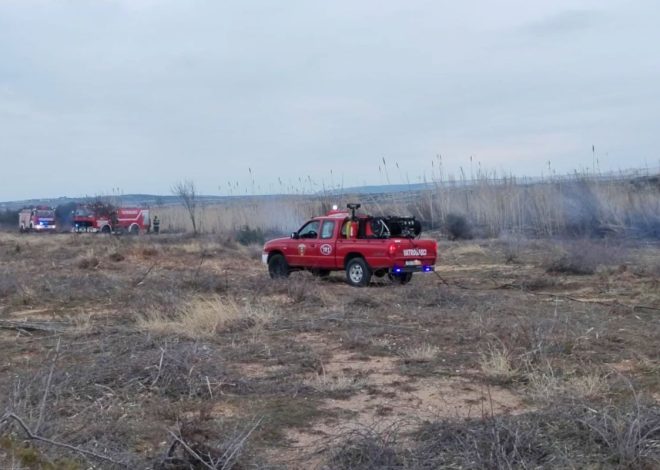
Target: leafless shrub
302, 289
512, 248
335, 383
204, 281
489, 443
199, 445
368, 448
116, 256
88, 262
148, 252
253, 251
582, 257
420, 353
186, 191
630, 434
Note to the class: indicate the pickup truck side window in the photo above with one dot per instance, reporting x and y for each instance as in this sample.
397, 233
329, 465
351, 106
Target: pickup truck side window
309, 230
328, 229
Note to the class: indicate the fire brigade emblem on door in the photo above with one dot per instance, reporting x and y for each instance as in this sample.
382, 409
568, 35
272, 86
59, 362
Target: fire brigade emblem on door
301, 249
326, 249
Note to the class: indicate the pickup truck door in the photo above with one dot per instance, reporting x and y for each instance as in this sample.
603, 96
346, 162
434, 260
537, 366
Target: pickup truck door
324, 252
305, 248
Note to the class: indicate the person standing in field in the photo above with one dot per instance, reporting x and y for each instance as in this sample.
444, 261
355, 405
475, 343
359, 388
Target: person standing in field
156, 225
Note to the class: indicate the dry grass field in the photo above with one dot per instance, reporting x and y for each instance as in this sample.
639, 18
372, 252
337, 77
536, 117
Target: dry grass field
170, 352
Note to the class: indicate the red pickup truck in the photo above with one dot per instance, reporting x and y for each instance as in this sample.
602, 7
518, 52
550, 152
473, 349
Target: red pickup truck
360, 244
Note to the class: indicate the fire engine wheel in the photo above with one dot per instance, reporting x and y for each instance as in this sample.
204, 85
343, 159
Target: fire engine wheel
278, 267
105, 229
358, 273
134, 230
403, 278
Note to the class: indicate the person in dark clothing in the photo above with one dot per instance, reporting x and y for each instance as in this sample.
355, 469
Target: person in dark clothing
156, 225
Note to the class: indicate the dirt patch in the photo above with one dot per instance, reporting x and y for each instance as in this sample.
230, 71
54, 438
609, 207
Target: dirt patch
388, 398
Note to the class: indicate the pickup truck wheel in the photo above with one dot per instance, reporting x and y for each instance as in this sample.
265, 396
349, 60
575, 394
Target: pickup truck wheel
278, 267
358, 273
403, 278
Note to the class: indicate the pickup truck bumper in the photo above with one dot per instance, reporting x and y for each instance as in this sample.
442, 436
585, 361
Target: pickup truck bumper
412, 269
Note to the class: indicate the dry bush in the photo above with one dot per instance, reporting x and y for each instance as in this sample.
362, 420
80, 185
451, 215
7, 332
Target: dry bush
335, 383
201, 318
547, 385
253, 251
420, 353
582, 257
200, 444
583, 435
513, 246
116, 256
368, 448
630, 433
302, 288
89, 262
497, 365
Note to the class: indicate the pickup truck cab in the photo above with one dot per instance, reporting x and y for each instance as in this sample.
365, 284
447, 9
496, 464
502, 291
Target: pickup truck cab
361, 245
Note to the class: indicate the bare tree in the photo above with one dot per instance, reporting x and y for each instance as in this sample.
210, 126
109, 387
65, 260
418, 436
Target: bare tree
186, 191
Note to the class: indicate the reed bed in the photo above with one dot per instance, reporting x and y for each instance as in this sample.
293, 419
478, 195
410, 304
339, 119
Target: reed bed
580, 205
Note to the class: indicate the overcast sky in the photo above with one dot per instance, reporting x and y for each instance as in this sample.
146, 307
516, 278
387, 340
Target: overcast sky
139, 94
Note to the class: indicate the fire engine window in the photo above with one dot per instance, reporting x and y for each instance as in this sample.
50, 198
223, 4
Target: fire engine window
328, 229
310, 230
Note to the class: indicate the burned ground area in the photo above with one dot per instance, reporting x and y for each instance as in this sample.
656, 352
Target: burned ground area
172, 352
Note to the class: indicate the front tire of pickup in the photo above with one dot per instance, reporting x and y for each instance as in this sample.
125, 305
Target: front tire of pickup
358, 273
278, 268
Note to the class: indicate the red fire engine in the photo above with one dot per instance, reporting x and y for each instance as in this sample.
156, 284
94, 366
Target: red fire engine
40, 219
105, 218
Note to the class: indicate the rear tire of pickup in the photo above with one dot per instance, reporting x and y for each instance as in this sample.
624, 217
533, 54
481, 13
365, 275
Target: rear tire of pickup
403, 278
278, 268
358, 273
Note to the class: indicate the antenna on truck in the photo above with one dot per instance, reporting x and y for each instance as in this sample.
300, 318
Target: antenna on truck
353, 207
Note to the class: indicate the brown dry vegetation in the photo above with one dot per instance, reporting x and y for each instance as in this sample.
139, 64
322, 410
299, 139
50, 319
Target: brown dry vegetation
169, 352
577, 205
